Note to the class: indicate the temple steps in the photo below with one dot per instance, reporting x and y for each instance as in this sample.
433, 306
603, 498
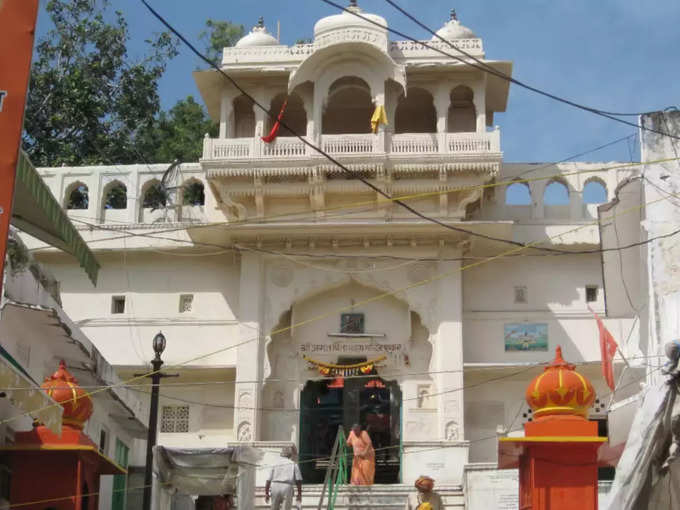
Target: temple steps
378, 497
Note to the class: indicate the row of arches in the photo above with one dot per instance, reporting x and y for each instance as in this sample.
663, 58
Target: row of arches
349, 107
556, 193
115, 195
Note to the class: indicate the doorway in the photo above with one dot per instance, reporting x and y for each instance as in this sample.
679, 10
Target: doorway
370, 401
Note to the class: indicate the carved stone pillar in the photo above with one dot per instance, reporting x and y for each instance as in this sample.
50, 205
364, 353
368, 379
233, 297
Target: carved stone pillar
250, 350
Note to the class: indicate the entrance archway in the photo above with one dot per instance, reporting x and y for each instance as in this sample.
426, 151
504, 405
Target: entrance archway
329, 403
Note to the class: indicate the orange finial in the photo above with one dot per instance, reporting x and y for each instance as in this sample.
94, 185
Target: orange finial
560, 390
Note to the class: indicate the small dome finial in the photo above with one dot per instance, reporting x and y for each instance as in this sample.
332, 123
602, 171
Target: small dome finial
353, 3
454, 17
260, 22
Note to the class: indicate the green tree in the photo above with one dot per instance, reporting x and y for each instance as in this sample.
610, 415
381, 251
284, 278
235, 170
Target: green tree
218, 35
178, 133
88, 97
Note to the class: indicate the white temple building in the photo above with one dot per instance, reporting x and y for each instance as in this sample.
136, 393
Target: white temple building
295, 298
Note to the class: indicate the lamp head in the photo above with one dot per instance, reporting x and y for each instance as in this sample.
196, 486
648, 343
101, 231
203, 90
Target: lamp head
159, 344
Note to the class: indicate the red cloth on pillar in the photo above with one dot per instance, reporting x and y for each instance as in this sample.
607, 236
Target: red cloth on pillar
275, 128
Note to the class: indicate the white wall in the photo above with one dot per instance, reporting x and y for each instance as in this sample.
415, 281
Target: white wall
152, 284
556, 296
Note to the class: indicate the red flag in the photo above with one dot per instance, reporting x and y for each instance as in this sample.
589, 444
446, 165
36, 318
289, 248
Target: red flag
608, 348
275, 128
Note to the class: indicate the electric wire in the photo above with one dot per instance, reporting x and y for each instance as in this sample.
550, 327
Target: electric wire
355, 175
316, 459
228, 225
377, 297
482, 66
438, 277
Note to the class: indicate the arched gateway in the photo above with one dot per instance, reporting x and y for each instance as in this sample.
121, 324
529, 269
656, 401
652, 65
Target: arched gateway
350, 367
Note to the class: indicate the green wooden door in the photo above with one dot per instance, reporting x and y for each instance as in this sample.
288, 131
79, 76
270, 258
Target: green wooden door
120, 481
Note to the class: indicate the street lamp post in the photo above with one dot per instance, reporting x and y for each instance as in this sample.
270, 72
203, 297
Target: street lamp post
156, 376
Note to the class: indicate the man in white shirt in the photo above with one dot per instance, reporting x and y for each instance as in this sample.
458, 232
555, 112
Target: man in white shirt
282, 476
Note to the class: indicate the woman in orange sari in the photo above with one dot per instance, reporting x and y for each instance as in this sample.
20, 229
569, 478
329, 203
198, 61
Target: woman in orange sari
363, 465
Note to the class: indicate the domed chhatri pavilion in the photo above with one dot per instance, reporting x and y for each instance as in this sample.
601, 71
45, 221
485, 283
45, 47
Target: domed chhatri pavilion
46, 467
332, 304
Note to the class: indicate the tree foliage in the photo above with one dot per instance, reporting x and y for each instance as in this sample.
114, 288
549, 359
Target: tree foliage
218, 35
178, 133
88, 97
90, 102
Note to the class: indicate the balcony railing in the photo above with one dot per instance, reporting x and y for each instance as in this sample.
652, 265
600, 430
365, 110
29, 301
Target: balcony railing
402, 144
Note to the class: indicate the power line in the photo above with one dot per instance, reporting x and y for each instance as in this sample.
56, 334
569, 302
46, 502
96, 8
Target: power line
330, 158
482, 66
372, 299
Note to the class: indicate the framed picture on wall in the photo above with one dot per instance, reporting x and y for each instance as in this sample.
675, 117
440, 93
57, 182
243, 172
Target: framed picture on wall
526, 336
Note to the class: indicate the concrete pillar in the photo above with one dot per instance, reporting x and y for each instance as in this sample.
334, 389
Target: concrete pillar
480, 105
442, 102
134, 198
449, 351
250, 350
226, 112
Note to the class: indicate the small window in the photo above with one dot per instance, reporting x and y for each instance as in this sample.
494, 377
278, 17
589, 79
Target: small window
175, 419
186, 302
521, 294
118, 304
352, 323
591, 293
103, 440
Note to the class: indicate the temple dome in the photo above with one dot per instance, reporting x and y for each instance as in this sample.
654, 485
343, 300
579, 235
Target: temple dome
258, 36
560, 390
64, 389
454, 30
348, 20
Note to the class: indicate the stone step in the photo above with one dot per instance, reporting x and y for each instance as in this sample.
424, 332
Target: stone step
378, 497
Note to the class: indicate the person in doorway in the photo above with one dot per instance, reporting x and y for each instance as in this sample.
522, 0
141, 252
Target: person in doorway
425, 498
279, 485
363, 464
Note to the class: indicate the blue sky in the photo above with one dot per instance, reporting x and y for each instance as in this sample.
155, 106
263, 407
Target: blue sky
617, 55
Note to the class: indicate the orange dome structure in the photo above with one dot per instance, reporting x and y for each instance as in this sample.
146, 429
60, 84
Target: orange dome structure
560, 390
63, 388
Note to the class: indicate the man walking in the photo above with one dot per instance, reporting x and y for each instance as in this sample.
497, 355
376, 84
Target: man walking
282, 477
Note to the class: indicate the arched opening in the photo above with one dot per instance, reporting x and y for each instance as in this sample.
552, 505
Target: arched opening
518, 193
416, 113
294, 115
77, 196
154, 196
462, 113
349, 107
556, 193
115, 196
244, 118
594, 192
154, 201
193, 193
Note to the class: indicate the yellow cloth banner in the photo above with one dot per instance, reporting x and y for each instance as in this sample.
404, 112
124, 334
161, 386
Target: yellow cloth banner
379, 117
